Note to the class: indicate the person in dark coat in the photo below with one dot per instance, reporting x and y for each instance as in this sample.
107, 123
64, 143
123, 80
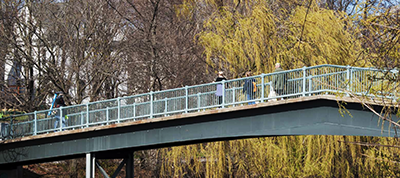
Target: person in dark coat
279, 81
219, 92
249, 88
59, 102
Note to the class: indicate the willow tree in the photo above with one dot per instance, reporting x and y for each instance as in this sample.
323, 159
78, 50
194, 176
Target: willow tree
309, 35
320, 36
302, 35
291, 156
239, 42
381, 36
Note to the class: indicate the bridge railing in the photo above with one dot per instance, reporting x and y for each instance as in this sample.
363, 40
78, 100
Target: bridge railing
306, 81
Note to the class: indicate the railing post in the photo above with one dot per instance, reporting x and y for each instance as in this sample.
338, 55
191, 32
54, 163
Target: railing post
304, 80
35, 124
223, 93
198, 101
82, 119
186, 99
11, 129
166, 106
151, 104
233, 96
309, 85
87, 114
61, 118
348, 78
107, 112
119, 109
262, 87
134, 111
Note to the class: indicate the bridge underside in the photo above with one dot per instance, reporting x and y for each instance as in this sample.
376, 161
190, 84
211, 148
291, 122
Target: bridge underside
301, 116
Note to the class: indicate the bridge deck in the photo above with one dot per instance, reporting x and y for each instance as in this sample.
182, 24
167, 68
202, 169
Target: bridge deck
303, 82
196, 114
314, 115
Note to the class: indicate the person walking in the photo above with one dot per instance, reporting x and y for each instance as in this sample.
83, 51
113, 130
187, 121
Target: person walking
279, 81
250, 88
219, 91
59, 102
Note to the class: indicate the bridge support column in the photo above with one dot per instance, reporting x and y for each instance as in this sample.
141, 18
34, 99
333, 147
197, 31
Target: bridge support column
129, 165
14, 172
90, 165
20, 172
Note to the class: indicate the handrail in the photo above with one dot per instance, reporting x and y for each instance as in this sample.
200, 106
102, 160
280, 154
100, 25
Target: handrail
196, 98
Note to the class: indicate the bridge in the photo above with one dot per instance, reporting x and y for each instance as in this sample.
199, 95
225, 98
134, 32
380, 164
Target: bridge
115, 128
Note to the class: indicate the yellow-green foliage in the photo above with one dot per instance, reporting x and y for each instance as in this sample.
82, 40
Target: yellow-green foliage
320, 39
241, 42
258, 39
381, 33
286, 156
253, 35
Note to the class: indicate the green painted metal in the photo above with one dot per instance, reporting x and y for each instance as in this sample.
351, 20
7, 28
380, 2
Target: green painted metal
305, 81
315, 117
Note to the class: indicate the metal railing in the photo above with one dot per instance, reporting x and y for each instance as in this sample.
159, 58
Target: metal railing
306, 81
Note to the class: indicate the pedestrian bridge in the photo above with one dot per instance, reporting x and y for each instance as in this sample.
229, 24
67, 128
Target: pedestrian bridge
187, 115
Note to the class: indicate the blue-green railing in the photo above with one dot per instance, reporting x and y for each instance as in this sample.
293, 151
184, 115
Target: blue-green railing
306, 81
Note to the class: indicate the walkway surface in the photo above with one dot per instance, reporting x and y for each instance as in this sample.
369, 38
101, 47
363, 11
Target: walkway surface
201, 99
311, 115
347, 100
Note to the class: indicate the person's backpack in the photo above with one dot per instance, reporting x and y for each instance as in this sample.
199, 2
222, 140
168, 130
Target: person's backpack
254, 86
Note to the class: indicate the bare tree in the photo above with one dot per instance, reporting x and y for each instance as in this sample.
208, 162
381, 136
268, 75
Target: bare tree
90, 37
161, 52
72, 46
